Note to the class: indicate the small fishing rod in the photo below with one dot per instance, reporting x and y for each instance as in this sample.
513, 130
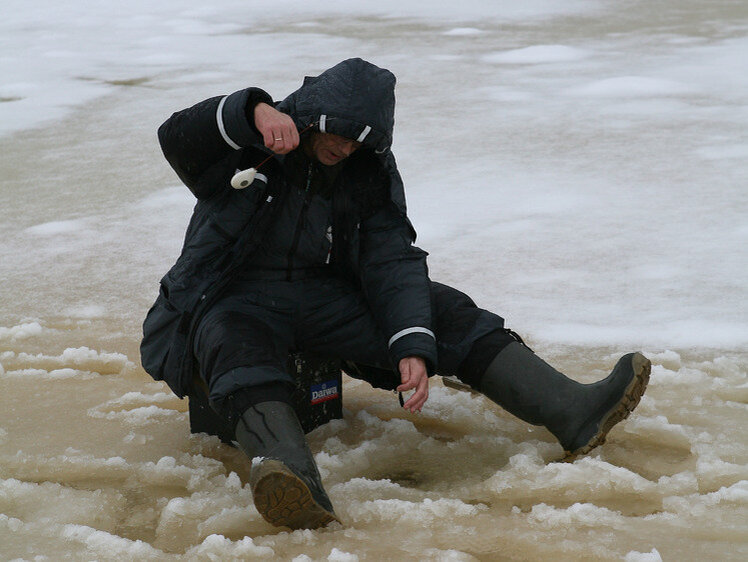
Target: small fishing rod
243, 178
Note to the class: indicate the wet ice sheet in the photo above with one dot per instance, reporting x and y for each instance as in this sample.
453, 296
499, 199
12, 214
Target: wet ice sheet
121, 478
578, 169
594, 161
61, 55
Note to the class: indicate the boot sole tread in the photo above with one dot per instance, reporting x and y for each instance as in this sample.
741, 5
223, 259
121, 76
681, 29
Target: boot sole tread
284, 500
642, 368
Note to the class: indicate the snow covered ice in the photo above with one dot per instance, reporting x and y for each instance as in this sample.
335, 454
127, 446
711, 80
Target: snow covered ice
578, 167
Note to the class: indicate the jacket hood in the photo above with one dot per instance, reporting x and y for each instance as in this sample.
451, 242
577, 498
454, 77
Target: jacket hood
354, 99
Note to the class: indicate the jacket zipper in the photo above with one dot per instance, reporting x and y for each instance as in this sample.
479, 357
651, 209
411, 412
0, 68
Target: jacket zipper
300, 223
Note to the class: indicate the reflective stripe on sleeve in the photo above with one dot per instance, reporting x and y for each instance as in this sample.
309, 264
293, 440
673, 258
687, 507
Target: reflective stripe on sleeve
407, 331
221, 128
322, 123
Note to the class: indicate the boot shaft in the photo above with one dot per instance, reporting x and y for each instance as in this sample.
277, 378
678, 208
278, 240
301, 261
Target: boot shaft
578, 415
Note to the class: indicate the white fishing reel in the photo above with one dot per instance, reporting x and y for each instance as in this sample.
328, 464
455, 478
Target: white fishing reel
243, 178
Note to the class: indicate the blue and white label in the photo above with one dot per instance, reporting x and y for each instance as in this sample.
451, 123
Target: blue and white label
324, 391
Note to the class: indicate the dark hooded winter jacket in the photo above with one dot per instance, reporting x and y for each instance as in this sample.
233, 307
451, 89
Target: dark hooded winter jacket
373, 246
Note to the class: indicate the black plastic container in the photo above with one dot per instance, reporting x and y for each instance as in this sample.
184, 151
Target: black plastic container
318, 398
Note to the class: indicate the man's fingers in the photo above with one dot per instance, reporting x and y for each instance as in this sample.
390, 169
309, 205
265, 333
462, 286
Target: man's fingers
290, 134
284, 140
267, 138
408, 377
293, 137
414, 376
278, 129
280, 142
407, 386
416, 402
405, 377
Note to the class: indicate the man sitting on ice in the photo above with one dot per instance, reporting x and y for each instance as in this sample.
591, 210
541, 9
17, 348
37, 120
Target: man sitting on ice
311, 250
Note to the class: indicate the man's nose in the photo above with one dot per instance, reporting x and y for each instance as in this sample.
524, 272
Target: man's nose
347, 147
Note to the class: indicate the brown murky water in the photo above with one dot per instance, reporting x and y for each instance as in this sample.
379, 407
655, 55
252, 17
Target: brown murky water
97, 462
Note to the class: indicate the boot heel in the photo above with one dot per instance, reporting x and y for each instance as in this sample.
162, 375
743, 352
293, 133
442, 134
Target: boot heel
284, 500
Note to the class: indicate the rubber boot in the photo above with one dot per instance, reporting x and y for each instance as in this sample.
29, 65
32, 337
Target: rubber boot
578, 415
286, 485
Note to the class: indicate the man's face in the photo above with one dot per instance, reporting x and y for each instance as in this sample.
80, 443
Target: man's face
330, 149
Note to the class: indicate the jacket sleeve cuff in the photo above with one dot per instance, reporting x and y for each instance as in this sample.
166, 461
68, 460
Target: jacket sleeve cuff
415, 344
232, 116
256, 96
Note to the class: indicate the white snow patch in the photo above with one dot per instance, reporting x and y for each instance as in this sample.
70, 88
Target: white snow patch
81, 362
55, 227
680, 376
11, 523
108, 545
218, 547
137, 416
449, 555
632, 87
585, 514
670, 360
698, 504
724, 152
21, 331
78, 358
659, 429
53, 374
86, 311
54, 503
538, 54
134, 397
66, 373
85, 355
408, 512
636, 556
191, 471
341, 556
165, 198
528, 476
463, 31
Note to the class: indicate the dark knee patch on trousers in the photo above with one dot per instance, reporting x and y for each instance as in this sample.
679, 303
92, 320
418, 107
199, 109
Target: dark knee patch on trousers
455, 313
459, 325
483, 351
229, 340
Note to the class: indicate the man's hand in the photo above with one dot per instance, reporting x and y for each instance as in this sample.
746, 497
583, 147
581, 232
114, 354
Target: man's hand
413, 374
277, 129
